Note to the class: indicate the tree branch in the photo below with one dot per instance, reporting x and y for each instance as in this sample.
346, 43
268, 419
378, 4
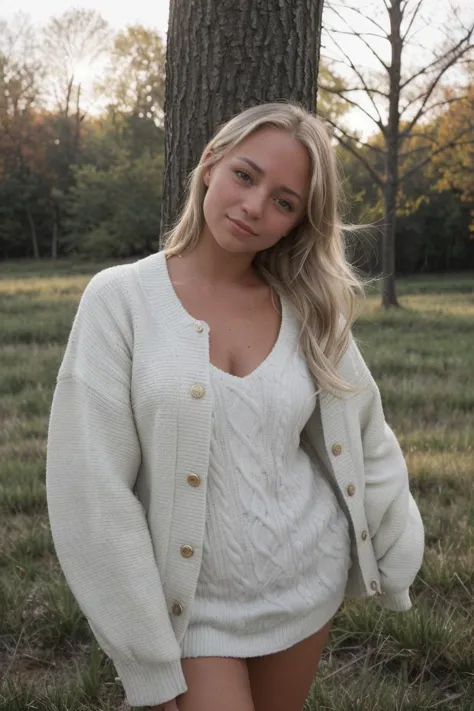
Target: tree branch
360, 35
333, 30
332, 90
412, 20
375, 149
411, 102
452, 100
422, 135
375, 176
404, 154
366, 17
434, 83
437, 60
372, 50
361, 108
364, 84
438, 103
450, 144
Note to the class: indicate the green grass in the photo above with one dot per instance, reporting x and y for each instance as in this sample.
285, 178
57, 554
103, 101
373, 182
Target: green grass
423, 359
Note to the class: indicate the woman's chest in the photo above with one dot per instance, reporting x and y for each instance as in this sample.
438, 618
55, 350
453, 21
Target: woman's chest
242, 332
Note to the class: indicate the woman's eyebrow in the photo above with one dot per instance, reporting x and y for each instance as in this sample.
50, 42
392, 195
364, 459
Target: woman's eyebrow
260, 170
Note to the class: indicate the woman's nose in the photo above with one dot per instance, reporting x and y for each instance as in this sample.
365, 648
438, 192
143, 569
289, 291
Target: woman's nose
254, 203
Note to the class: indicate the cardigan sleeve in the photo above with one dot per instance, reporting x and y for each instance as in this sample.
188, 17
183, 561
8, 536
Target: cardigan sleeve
98, 525
393, 517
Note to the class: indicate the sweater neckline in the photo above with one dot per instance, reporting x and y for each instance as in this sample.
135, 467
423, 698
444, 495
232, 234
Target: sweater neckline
267, 361
178, 314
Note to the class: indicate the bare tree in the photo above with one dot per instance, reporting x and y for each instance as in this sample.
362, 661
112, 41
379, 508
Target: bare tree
223, 56
398, 97
70, 43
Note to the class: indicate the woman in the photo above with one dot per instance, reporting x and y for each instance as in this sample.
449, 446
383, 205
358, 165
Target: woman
220, 474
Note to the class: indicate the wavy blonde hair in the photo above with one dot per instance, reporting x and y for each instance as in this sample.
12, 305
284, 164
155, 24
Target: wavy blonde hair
309, 265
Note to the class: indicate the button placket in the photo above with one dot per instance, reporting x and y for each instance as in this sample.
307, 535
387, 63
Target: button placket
191, 464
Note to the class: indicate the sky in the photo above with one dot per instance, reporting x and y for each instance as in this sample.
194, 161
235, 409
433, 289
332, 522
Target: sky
154, 15
151, 13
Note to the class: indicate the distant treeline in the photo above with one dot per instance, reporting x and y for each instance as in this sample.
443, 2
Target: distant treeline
91, 186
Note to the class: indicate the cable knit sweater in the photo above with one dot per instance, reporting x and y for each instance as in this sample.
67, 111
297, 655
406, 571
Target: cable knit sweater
276, 550
127, 468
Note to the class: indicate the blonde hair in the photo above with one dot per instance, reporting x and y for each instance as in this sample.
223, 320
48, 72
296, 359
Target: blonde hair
308, 266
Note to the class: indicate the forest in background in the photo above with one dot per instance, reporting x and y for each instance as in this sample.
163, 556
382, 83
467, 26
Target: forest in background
89, 184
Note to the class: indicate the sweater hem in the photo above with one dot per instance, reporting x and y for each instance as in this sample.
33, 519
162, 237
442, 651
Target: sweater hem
206, 641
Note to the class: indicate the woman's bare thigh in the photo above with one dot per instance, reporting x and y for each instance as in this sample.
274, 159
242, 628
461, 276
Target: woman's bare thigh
282, 681
216, 684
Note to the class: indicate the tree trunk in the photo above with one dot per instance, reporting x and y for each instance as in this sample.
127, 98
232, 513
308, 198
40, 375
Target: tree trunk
224, 56
34, 238
389, 294
54, 240
390, 190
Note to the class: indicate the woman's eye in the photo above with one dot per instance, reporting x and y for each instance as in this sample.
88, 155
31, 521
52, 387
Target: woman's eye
243, 176
285, 204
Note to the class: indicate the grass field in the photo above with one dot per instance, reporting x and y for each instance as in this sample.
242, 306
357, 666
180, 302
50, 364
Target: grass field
423, 360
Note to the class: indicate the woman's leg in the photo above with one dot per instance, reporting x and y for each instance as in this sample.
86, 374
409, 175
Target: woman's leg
282, 681
216, 684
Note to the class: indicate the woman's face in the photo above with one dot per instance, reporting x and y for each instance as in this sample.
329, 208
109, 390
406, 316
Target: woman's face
258, 191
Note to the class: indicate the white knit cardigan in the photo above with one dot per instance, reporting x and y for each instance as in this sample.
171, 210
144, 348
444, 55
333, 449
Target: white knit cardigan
127, 462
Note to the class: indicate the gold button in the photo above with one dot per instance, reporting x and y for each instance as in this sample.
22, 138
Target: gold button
177, 609
197, 390
364, 535
194, 480
187, 551
336, 449
351, 490
199, 327
374, 585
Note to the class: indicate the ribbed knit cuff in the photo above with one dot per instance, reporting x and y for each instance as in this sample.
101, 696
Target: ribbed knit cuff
150, 686
398, 602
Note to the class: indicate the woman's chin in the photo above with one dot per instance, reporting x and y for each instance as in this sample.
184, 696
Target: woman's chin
233, 245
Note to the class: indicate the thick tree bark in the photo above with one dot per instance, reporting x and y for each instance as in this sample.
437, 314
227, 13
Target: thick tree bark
224, 56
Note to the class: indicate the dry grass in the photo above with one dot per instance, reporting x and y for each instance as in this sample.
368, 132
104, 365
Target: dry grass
423, 360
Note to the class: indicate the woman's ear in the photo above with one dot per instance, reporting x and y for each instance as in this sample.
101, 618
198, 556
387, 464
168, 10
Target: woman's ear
206, 176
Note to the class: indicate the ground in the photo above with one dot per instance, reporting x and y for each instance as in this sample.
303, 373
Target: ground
423, 360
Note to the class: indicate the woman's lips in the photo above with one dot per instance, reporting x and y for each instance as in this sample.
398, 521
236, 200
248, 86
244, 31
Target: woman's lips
242, 226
